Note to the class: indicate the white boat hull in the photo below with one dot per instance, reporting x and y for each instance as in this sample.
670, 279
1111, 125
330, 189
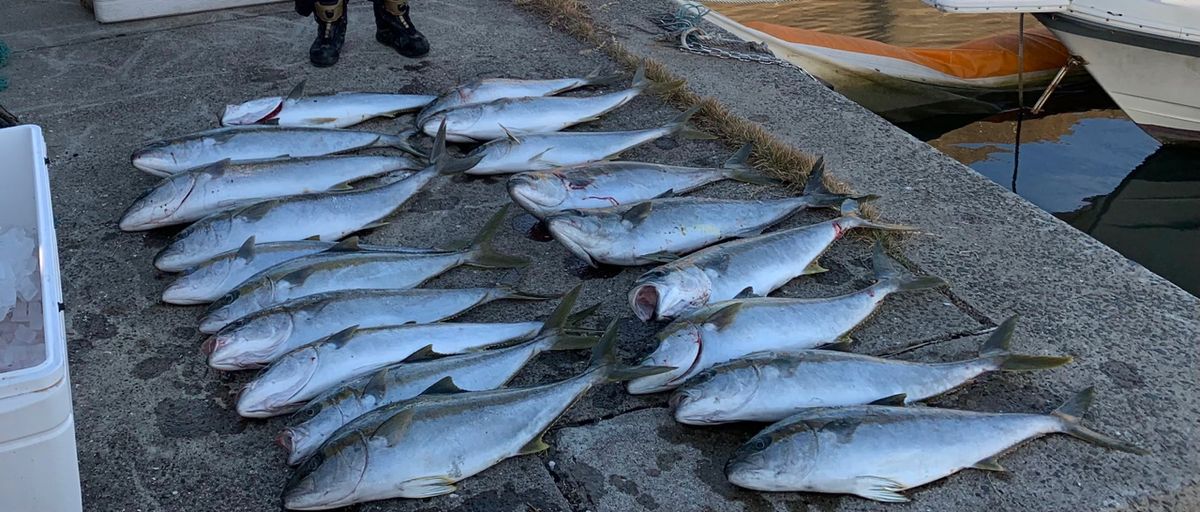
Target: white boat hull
1155, 81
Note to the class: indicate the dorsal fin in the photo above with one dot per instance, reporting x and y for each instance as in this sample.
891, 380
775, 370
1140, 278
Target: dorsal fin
424, 354
664, 195
444, 386
897, 400
638, 213
340, 338
246, 251
297, 92
746, 293
314, 238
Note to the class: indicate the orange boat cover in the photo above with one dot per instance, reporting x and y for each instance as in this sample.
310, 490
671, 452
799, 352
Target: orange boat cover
986, 57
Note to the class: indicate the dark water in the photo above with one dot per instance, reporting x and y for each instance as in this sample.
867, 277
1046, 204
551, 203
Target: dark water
1083, 161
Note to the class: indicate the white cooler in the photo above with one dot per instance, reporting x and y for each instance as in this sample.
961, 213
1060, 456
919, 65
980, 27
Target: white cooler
39, 468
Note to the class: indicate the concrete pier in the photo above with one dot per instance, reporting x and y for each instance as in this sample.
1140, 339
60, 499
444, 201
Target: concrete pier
157, 429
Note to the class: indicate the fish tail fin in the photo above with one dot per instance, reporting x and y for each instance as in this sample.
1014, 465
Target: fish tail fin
600, 77
887, 273
738, 168
400, 141
481, 254
441, 160
818, 195
640, 82
850, 208
1070, 414
608, 367
997, 349
681, 126
557, 331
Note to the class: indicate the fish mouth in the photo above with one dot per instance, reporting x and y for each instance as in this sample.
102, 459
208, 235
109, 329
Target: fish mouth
556, 228
181, 295
644, 301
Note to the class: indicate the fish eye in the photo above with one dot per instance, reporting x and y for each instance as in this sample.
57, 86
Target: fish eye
760, 443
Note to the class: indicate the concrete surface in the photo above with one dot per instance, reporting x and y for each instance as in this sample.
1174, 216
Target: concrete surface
157, 431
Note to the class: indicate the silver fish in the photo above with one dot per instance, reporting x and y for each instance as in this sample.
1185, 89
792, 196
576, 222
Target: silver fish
304, 373
194, 194
877, 451
421, 447
484, 122
771, 386
659, 230
326, 215
545, 151
603, 184
491, 89
242, 143
322, 111
214, 278
756, 265
258, 339
728, 330
474, 371
330, 272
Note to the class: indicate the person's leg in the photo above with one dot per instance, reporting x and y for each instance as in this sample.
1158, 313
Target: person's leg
331, 32
394, 28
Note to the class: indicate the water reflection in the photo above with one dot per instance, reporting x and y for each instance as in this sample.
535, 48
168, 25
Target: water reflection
1099, 172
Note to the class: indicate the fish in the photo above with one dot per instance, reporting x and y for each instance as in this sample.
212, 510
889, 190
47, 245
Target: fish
322, 273
191, 195
473, 371
659, 230
214, 278
491, 89
760, 264
878, 451
545, 151
483, 122
327, 215
321, 111
736, 328
770, 386
307, 372
251, 143
602, 184
262, 337
422, 447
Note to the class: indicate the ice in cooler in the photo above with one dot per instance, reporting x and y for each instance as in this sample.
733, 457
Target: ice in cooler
21, 342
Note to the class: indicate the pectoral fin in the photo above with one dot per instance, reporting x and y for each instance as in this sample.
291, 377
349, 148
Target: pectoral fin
427, 487
879, 489
536, 445
814, 268
989, 464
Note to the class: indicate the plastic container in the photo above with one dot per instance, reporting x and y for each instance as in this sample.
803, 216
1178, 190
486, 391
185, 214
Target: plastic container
108, 11
39, 467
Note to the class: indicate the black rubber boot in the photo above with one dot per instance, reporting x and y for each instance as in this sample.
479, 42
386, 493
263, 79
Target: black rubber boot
394, 28
331, 32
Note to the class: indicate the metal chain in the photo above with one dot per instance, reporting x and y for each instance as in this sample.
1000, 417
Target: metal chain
692, 39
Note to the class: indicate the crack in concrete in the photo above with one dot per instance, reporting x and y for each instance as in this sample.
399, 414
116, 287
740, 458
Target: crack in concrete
933, 341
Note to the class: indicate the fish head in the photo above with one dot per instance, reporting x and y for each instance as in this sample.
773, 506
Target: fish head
331, 476
680, 348
236, 304
197, 239
273, 392
538, 191
252, 112
709, 395
194, 286
777, 459
155, 158
312, 424
158, 204
670, 292
249, 342
582, 234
